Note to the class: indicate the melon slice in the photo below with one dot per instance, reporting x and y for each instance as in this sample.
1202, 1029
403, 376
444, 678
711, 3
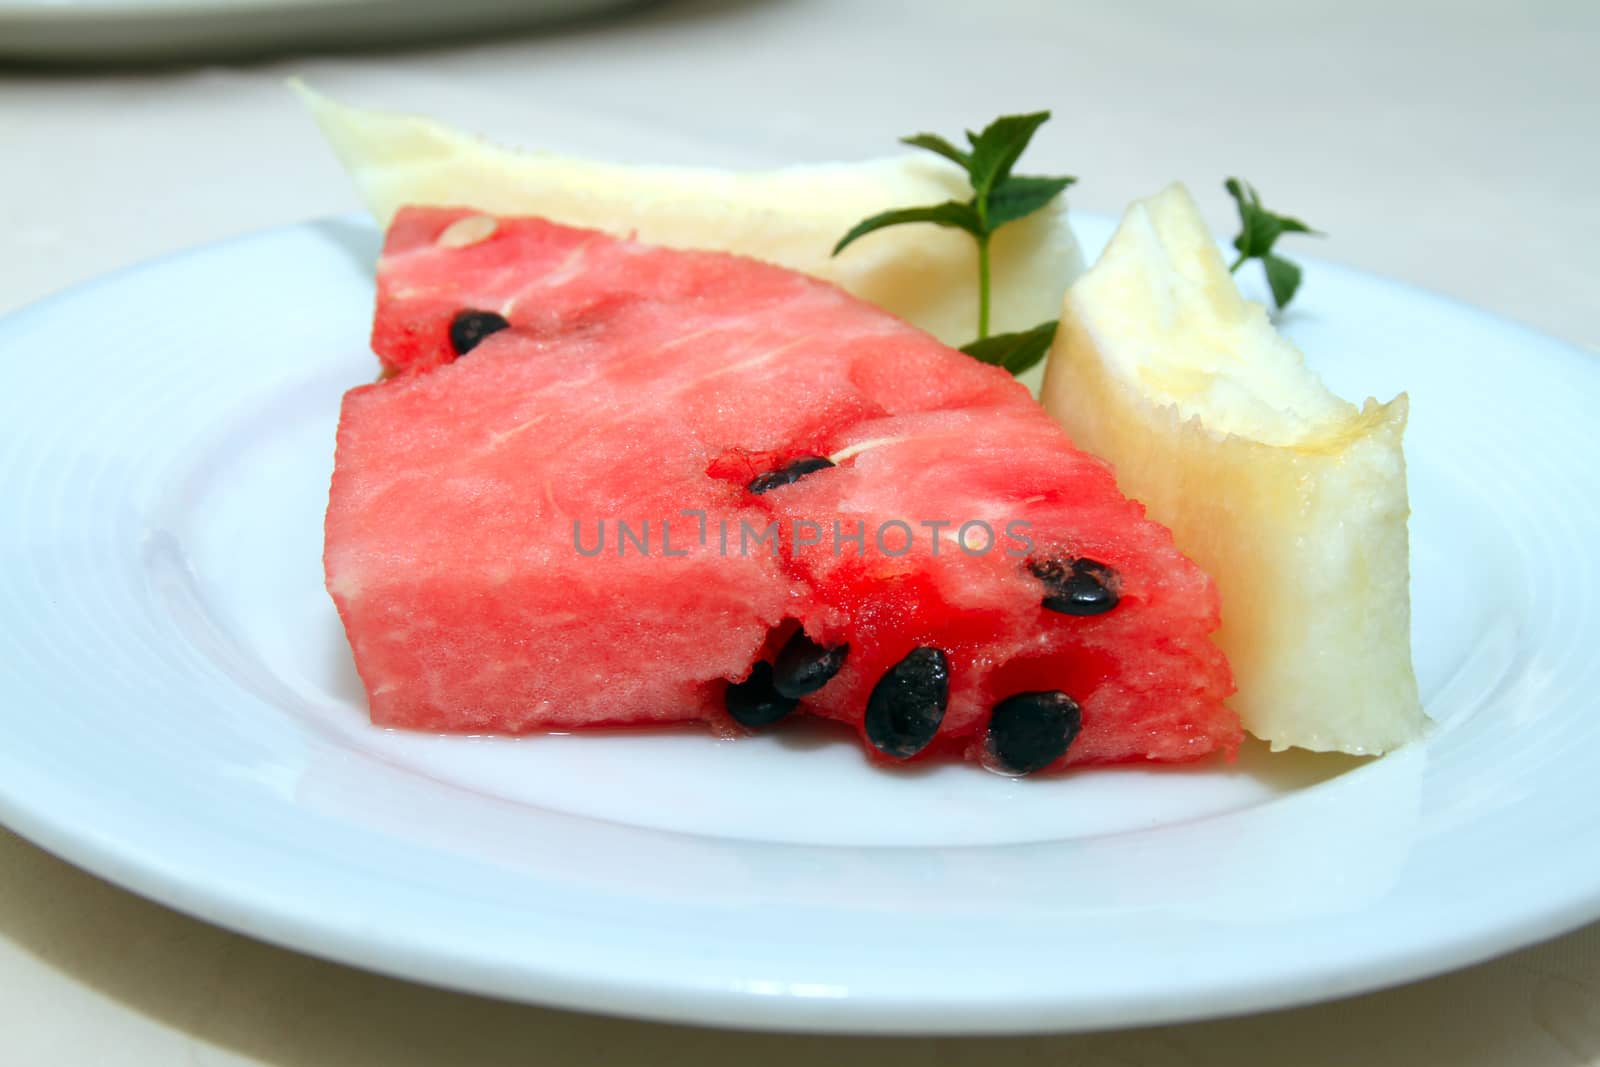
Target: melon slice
790, 216
1293, 500
475, 550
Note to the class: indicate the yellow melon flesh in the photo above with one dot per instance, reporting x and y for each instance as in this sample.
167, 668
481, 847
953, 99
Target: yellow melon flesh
1291, 498
790, 216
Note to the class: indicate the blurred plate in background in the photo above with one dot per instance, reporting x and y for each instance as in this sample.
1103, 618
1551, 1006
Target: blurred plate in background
85, 30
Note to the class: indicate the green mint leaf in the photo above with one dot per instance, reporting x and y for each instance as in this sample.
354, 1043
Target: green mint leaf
998, 198
1015, 352
950, 213
938, 145
996, 150
1256, 231
1259, 230
1283, 277
1017, 197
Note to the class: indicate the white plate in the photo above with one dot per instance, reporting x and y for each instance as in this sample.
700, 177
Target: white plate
77, 30
180, 716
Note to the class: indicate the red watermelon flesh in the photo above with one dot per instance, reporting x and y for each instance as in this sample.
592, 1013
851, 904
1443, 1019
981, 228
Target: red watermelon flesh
637, 383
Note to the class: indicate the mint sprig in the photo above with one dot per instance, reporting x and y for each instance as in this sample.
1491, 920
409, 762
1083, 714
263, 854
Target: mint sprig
1259, 230
999, 197
1015, 352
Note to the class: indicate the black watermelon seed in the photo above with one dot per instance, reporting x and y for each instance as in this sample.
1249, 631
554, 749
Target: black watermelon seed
469, 328
1030, 731
753, 702
802, 666
1077, 586
788, 474
907, 705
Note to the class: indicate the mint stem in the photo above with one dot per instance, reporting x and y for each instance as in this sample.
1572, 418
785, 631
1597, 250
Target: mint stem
983, 287
1238, 263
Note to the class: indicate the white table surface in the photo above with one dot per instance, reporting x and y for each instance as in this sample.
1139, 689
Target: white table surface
1453, 145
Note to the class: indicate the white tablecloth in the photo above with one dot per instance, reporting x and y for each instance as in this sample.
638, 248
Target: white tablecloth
1450, 146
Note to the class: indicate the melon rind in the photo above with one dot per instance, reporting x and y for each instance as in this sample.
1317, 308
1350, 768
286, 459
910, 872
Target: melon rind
790, 216
1293, 500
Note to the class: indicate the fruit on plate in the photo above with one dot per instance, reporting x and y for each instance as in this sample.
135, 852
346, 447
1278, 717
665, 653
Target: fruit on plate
689, 485
790, 216
1292, 499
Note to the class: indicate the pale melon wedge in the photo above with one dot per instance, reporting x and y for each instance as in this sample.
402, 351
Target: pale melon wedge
791, 216
1293, 500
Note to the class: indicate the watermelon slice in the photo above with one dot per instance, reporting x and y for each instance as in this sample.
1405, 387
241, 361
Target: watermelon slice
668, 485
